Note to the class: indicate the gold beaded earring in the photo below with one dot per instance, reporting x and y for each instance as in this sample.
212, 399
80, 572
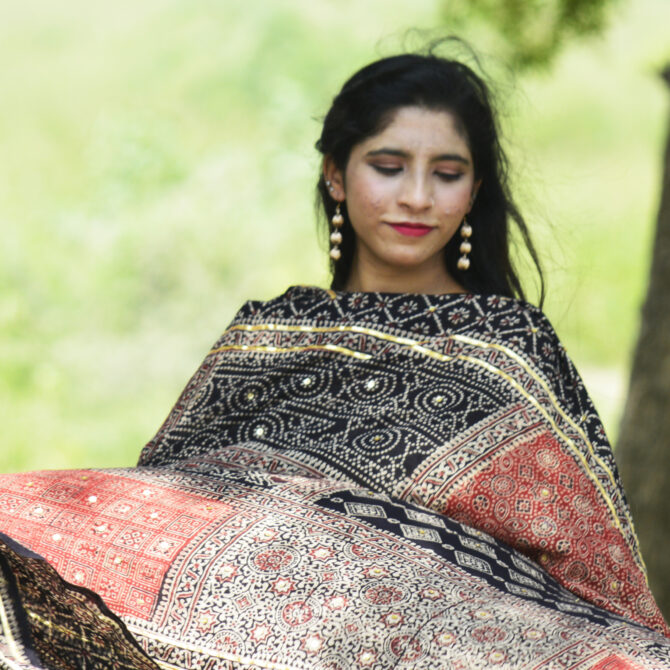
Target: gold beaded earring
336, 235
466, 246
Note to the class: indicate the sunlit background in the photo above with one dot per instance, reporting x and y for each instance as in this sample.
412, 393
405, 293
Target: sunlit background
157, 169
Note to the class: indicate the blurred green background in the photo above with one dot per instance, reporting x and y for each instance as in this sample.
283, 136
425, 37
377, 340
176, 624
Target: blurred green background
157, 169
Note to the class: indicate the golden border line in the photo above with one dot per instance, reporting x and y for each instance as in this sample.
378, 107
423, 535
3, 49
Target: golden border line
417, 346
566, 417
268, 349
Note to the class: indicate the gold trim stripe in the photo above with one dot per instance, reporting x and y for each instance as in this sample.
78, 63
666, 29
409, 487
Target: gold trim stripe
512, 354
285, 328
548, 418
278, 327
418, 347
284, 350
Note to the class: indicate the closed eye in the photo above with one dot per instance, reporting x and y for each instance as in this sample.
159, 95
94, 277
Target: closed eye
449, 176
387, 170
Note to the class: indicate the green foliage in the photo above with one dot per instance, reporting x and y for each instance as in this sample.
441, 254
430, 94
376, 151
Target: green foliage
530, 33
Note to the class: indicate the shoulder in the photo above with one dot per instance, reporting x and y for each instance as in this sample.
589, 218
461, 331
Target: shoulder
288, 305
514, 327
507, 321
495, 318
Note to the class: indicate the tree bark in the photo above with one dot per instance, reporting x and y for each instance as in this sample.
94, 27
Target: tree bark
643, 450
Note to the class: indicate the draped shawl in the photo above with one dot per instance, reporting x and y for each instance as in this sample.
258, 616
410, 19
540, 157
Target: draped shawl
362, 480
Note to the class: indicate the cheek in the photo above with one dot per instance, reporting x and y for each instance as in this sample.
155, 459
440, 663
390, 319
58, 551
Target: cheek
457, 202
367, 195
375, 202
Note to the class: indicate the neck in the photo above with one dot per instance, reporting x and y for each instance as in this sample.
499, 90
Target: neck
410, 281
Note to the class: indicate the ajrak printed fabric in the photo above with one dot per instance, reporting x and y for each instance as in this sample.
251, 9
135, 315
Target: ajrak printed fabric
47, 624
348, 481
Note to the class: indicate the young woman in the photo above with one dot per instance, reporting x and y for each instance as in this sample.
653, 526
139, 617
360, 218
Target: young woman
401, 471
450, 160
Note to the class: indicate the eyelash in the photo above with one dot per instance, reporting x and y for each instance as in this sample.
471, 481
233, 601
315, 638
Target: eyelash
444, 176
449, 176
387, 170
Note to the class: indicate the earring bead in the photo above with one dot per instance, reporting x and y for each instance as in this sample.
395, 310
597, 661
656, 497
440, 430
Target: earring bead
463, 263
336, 236
466, 246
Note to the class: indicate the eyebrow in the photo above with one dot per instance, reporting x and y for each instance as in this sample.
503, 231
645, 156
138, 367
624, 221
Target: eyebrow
403, 154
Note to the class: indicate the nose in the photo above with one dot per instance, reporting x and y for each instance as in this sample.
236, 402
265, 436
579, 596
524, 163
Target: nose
416, 193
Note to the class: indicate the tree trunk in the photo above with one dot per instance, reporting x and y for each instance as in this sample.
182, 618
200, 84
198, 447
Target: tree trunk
643, 450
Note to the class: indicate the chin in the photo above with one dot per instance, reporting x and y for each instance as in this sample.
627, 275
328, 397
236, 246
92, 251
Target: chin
406, 262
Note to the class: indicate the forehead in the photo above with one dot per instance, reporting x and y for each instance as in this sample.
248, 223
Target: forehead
419, 128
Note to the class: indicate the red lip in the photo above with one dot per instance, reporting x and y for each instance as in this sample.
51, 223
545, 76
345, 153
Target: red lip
411, 229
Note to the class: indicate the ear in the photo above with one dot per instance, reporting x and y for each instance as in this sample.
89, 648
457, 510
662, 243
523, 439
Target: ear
334, 175
473, 195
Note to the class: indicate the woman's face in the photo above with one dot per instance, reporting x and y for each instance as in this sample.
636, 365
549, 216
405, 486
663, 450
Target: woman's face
407, 190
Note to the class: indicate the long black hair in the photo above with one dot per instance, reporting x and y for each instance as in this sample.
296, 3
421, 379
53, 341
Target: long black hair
366, 105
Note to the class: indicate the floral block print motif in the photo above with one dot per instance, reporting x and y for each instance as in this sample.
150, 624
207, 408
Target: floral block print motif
350, 480
108, 533
466, 404
301, 572
46, 623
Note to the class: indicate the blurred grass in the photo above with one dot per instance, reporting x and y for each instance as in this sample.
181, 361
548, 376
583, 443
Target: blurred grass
157, 169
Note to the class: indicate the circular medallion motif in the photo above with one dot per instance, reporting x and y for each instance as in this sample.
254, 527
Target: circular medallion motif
384, 594
503, 485
310, 382
374, 386
533, 634
379, 441
444, 639
277, 559
406, 648
577, 571
488, 634
547, 459
440, 400
645, 605
543, 526
265, 427
248, 396
297, 613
